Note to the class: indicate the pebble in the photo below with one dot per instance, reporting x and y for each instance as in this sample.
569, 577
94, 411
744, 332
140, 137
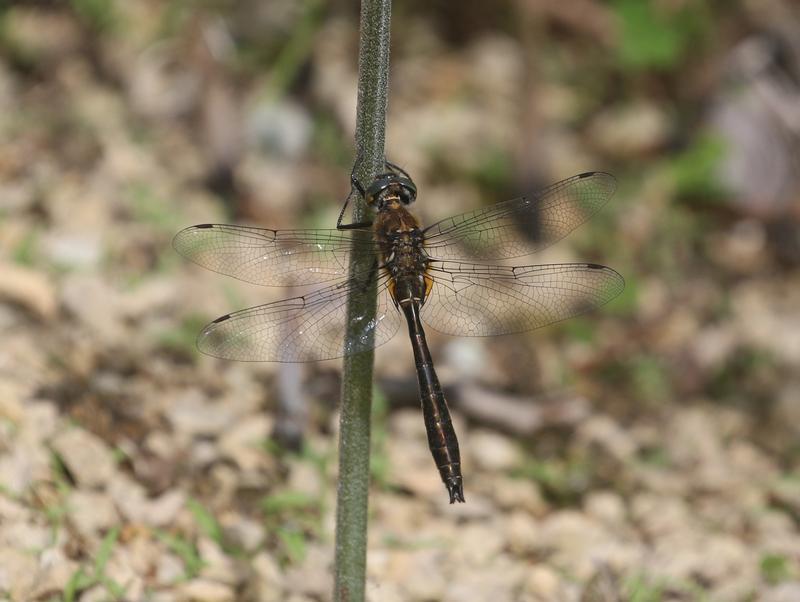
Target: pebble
281, 128
243, 531
26, 536
203, 590
267, 569
169, 570
525, 494
492, 452
11, 406
544, 583
132, 501
421, 575
575, 542
22, 466
604, 433
97, 593
312, 576
385, 592
76, 251
521, 532
217, 566
630, 130
55, 572
86, 456
95, 304
40, 421
29, 289
191, 414
606, 507
243, 442
18, 572
91, 512
783, 592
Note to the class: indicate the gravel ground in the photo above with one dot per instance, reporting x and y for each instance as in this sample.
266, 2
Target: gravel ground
647, 453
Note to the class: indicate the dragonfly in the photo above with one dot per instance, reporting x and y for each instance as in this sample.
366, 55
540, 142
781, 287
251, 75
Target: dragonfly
448, 277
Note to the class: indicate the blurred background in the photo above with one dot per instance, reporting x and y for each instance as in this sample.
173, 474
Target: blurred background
650, 451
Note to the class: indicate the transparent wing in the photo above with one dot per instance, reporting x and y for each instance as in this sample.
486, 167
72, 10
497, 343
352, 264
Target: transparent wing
521, 226
479, 300
300, 329
270, 257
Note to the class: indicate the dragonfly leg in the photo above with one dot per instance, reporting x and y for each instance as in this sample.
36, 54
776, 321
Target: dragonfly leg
354, 185
395, 167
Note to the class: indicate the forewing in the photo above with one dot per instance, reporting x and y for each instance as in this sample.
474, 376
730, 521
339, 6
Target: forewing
479, 300
520, 226
270, 257
300, 329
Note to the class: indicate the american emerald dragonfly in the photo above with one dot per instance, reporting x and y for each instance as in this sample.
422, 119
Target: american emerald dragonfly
441, 276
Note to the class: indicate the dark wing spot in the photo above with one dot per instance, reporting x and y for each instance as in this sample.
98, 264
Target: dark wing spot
204, 226
221, 319
595, 266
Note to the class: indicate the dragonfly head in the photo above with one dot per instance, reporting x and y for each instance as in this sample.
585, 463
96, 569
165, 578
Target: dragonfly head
388, 187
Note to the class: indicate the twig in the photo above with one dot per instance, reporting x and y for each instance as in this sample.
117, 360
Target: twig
354, 432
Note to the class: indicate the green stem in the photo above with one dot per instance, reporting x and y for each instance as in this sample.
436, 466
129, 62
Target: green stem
354, 432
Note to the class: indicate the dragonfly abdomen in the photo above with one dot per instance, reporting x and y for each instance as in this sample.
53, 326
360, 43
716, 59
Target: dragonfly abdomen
442, 439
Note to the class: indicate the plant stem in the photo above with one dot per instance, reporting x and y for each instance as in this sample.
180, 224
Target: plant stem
354, 432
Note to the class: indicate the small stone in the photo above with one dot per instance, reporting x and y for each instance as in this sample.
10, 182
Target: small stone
521, 532
216, 565
499, 580
420, 576
17, 573
385, 592
203, 590
607, 436
267, 568
243, 442
23, 466
492, 452
477, 543
82, 251
55, 572
120, 568
784, 592
12, 511
574, 541
304, 477
605, 506
25, 536
29, 289
95, 304
40, 421
11, 406
280, 128
510, 493
91, 512
86, 456
97, 593
243, 531
543, 582
132, 501
191, 414
411, 466
312, 576
630, 130
169, 570
659, 515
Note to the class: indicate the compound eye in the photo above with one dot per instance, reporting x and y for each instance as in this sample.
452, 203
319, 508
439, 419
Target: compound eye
407, 197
